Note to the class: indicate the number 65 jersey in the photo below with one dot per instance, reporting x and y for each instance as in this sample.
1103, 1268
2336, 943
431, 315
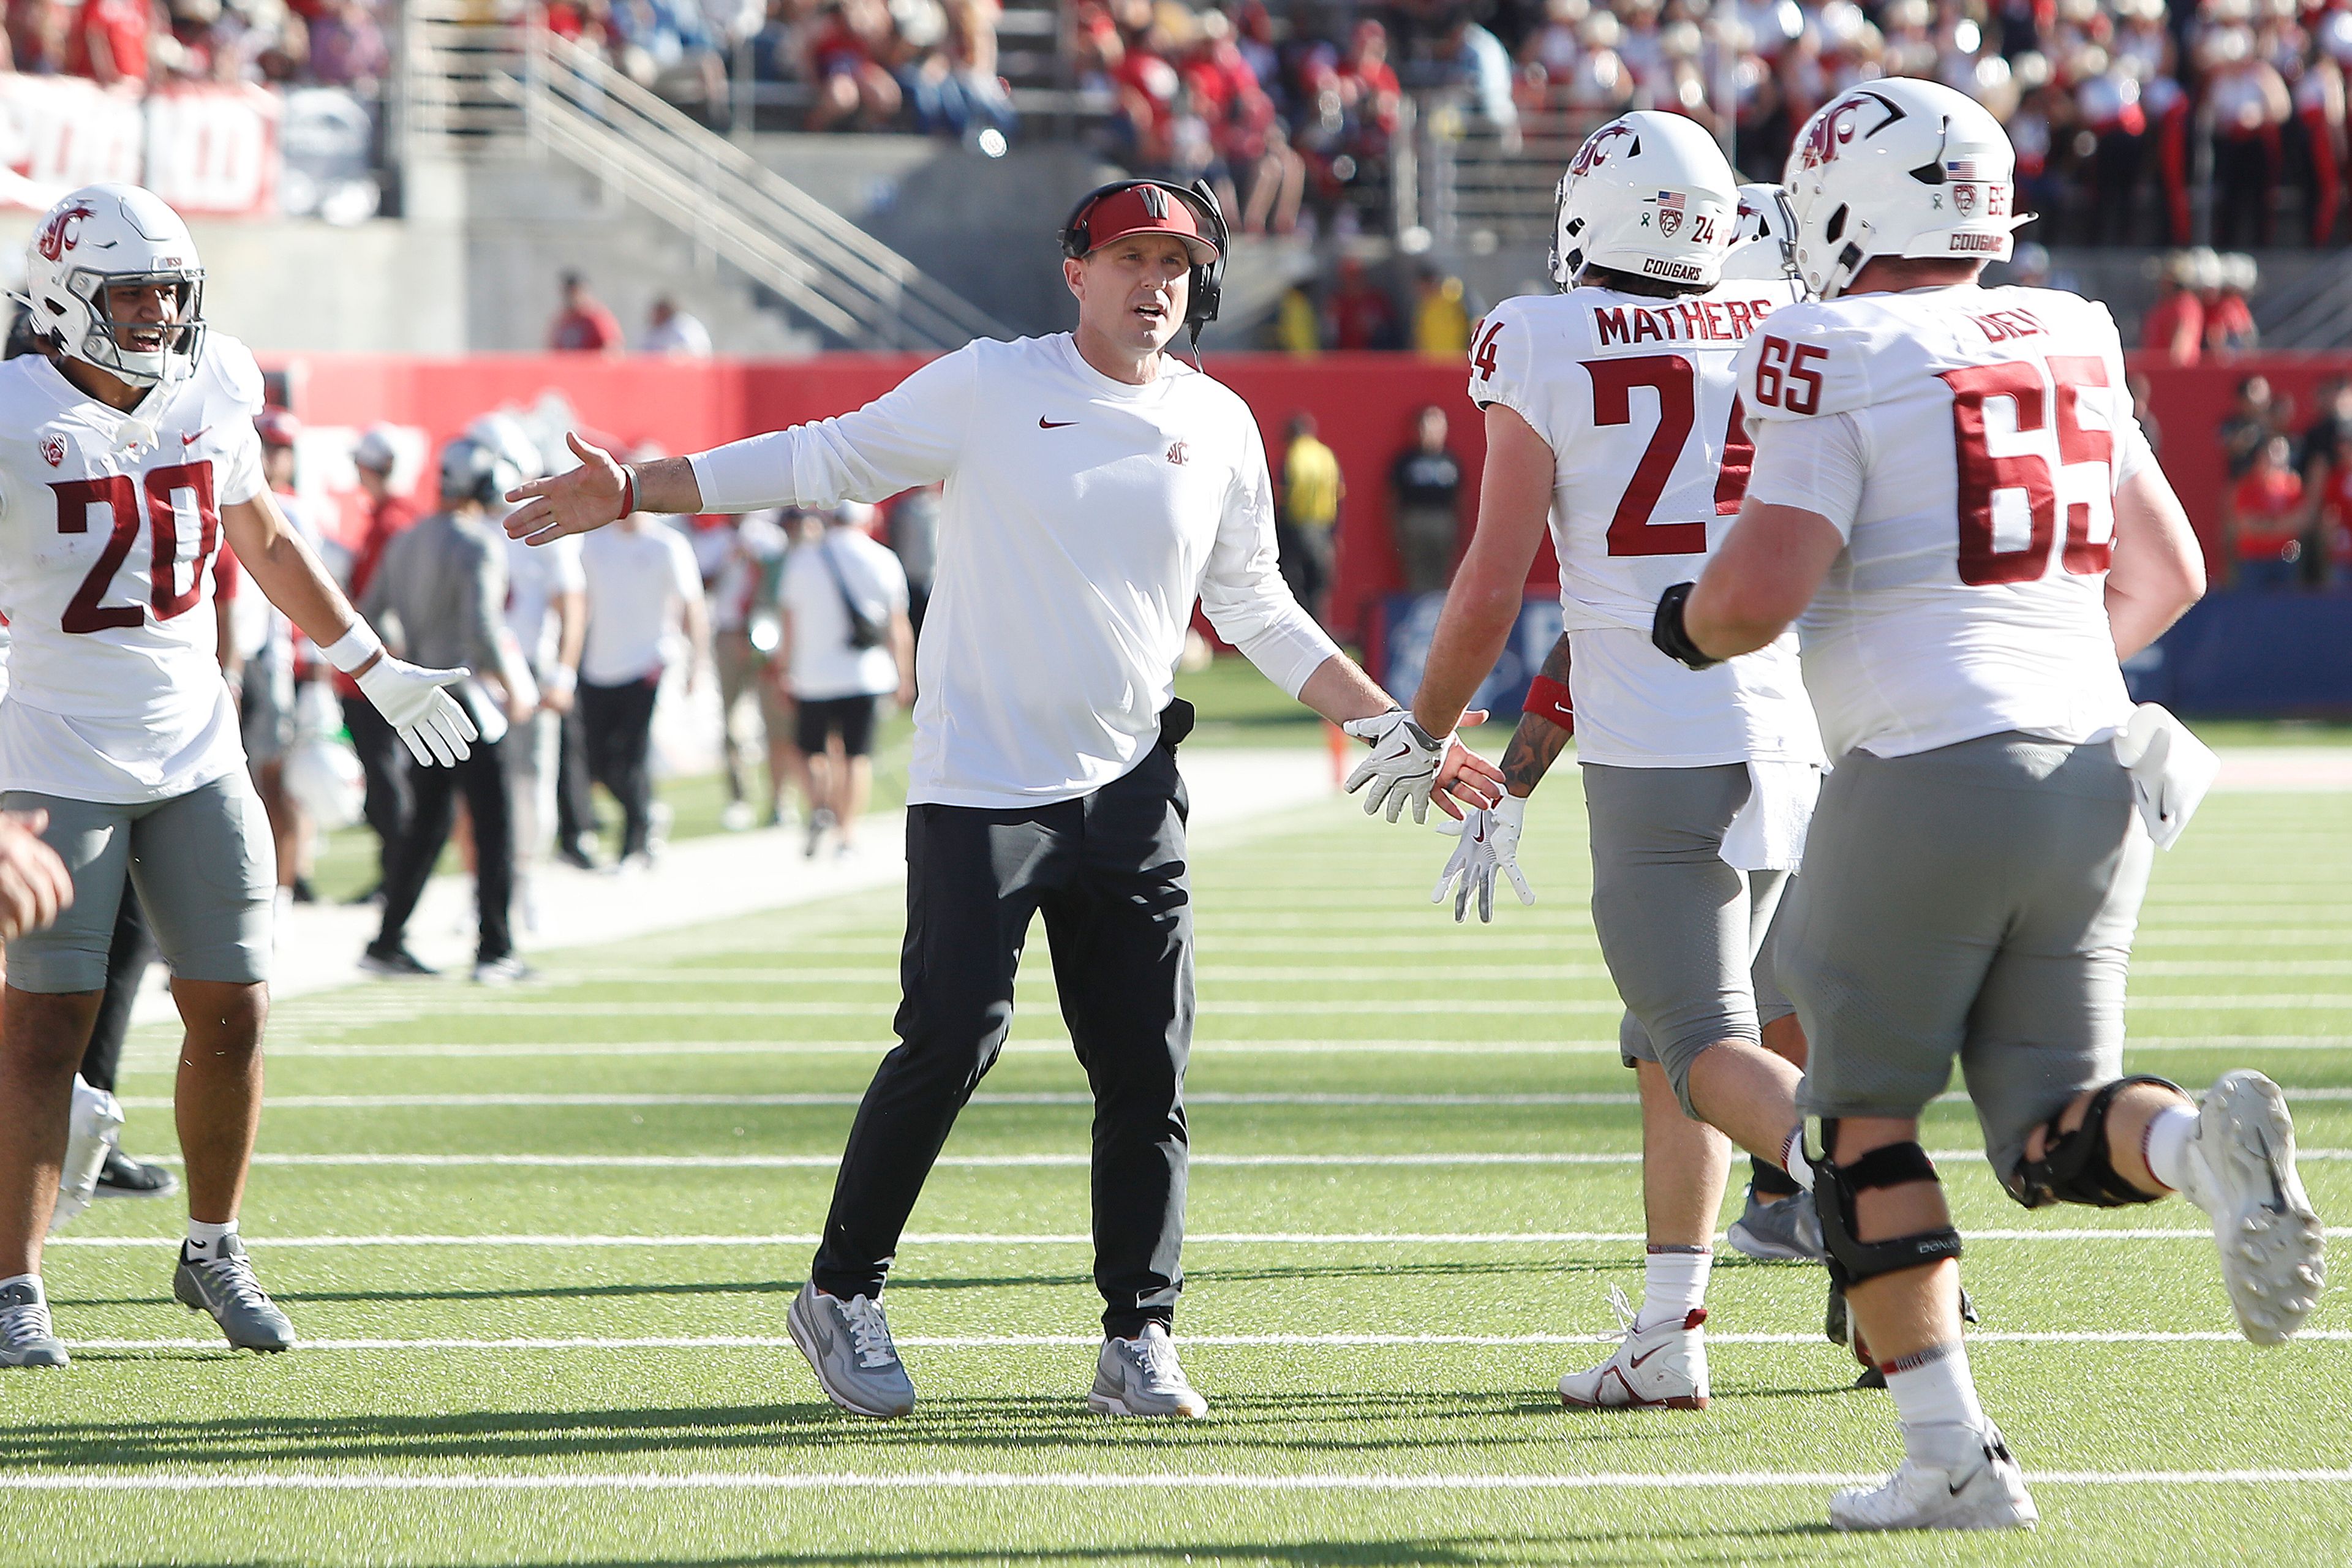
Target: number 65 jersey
1967, 443
1636, 398
109, 524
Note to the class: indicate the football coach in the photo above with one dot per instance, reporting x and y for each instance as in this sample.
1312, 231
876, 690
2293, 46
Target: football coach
1095, 486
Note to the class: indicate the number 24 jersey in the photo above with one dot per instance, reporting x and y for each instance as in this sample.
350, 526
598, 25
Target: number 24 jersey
1636, 399
1967, 443
108, 525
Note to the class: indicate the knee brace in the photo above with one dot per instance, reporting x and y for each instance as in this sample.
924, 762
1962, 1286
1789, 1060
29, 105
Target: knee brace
2074, 1167
1851, 1260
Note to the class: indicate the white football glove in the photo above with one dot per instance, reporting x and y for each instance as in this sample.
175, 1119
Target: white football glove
416, 702
91, 1134
1403, 766
2170, 770
1489, 842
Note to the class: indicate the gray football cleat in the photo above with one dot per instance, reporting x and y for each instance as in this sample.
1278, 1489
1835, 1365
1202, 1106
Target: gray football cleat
226, 1286
848, 1346
2240, 1172
1787, 1232
1141, 1376
27, 1338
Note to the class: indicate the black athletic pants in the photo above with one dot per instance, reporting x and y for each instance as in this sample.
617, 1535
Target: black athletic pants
127, 958
384, 763
619, 722
483, 778
575, 807
1109, 871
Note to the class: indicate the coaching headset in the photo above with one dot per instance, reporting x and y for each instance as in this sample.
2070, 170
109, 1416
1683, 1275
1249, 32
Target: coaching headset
1208, 280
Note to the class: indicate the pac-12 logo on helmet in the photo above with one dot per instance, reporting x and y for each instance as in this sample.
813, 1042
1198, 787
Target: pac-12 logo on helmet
63, 231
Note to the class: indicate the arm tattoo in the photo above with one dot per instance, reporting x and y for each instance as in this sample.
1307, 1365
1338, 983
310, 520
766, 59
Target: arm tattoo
1537, 743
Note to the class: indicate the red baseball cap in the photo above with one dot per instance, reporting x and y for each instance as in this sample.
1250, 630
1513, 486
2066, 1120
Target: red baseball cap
277, 428
1147, 209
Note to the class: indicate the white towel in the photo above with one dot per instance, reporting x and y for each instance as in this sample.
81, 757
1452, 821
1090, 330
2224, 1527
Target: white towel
1767, 834
2170, 770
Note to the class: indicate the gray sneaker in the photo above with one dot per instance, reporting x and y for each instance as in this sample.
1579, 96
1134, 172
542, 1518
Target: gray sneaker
849, 1347
1142, 1377
225, 1288
26, 1337
1787, 1232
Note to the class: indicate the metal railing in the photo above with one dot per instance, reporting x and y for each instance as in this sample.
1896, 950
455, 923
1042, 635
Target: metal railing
478, 80
1478, 183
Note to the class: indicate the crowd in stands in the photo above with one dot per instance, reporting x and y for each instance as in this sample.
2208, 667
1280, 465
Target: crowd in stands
132, 43
2287, 514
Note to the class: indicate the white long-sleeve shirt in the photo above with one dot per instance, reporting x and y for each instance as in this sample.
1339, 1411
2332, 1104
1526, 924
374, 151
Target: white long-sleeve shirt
1081, 518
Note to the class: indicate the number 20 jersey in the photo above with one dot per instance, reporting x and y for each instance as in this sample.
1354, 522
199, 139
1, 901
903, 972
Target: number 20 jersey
109, 524
1635, 397
1967, 443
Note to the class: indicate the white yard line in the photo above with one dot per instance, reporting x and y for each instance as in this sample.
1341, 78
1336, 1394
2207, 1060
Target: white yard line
1207, 1239
754, 1101
1193, 1340
1004, 1162
1146, 1480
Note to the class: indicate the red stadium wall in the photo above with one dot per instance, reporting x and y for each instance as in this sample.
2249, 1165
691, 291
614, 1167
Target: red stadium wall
1364, 404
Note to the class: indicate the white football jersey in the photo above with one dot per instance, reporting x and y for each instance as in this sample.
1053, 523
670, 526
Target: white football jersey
1636, 398
1967, 443
109, 524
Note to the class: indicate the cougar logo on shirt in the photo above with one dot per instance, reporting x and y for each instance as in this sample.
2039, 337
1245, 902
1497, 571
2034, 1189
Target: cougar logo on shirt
53, 450
61, 233
1596, 148
1834, 130
1178, 454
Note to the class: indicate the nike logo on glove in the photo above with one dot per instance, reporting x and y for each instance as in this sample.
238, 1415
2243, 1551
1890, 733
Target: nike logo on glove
1045, 424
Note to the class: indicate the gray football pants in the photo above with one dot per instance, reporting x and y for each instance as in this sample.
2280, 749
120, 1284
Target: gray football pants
1978, 901
1679, 929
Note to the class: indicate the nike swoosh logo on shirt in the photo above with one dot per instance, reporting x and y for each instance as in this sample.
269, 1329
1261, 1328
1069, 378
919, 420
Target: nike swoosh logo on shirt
187, 441
1045, 424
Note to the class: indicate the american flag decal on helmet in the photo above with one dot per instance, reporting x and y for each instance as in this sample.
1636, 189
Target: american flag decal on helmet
1670, 212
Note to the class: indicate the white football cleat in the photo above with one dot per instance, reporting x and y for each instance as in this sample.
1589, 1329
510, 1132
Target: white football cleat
1662, 1368
1954, 1477
2239, 1169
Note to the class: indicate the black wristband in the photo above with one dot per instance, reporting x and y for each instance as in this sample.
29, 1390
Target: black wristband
1668, 634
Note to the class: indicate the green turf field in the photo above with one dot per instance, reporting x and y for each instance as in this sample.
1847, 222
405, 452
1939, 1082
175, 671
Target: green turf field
1413, 1187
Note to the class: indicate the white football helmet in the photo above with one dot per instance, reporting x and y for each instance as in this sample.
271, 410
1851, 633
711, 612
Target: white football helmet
1899, 167
107, 235
1763, 244
1648, 194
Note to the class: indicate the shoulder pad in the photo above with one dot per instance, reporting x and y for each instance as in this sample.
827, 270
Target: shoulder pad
233, 363
1808, 358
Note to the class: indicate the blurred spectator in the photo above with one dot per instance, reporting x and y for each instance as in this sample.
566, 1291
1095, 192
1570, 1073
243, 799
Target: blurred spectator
2174, 325
547, 614
2330, 425
107, 40
745, 629
1307, 515
346, 47
2229, 320
273, 674
2318, 95
914, 527
850, 50
585, 325
2250, 424
1363, 317
2332, 497
670, 330
2247, 101
1425, 490
1297, 324
2262, 522
1441, 322
847, 644
384, 760
646, 613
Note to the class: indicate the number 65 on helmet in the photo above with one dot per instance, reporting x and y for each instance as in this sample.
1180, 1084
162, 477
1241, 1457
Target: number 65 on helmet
1904, 168
107, 236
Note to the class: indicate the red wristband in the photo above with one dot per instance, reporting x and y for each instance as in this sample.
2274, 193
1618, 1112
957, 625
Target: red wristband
1547, 699
628, 489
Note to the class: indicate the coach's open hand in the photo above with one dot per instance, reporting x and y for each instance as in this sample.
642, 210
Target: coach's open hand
575, 501
34, 883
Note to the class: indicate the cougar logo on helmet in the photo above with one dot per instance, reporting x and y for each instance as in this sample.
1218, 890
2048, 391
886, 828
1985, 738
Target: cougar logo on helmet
1832, 130
63, 231
1596, 148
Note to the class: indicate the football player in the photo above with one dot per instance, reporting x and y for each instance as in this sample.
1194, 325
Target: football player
1950, 489
1609, 410
127, 454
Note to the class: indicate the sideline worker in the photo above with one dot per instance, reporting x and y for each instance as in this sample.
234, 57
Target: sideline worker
1095, 485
